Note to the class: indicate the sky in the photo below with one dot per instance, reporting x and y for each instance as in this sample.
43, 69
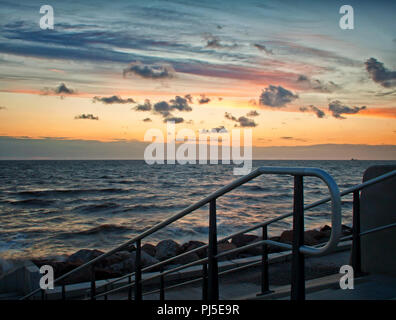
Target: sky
111, 70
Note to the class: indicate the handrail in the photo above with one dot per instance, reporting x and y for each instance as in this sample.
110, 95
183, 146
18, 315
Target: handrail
336, 218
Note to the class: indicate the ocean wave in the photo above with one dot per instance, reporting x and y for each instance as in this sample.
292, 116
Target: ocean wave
97, 207
31, 202
68, 192
101, 229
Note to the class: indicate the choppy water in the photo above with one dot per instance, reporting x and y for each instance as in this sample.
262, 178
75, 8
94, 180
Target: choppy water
49, 208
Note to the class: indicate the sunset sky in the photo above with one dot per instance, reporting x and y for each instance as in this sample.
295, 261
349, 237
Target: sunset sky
110, 70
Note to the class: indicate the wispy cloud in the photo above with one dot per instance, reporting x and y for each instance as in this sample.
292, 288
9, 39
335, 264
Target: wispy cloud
319, 113
262, 47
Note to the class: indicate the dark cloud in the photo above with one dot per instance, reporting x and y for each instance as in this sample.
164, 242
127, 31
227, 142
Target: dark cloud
3, 108
189, 98
319, 113
180, 104
317, 85
219, 129
86, 117
276, 96
146, 106
292, 138
229, 116
147, 120
242, 121
165, 108
337, 109
203, 99
153, 71
262, 47
213, 42
379, 74
174, 119
252, 113
61, 90
112, 100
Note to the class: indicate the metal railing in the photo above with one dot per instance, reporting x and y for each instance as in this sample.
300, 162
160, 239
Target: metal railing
210, 272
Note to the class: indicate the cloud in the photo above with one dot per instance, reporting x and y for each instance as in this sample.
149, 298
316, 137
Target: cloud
165, 108
86, 117
3, 108
262, 47
252, 113
337, 109
242, 121
189, 98
146, 106
203, 99
147, 120
319, 113
112, 100
317, 85
276, 96
61, 90
153, 71
292, 138
380, 74
174, 119
213, 42
229, 116
219, 129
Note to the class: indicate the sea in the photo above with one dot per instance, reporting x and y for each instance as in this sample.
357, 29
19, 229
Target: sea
54, 208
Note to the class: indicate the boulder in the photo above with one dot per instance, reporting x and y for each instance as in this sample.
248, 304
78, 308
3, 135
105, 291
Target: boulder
191, 257
191, 245
167, 249
149, 248
244, 239
225, 246
311, 237
84, 255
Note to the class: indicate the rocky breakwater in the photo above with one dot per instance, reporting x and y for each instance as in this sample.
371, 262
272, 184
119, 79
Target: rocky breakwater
123, 262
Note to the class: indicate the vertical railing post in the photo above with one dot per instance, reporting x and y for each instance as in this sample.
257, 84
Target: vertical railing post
63, 290
356, 246
213, 276
298, 272
138, 272
93, 284
205, 282
130, 288
264, 264
162, 285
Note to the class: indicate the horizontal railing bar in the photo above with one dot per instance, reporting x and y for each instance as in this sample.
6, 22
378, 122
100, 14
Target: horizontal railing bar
236, 250
363, 233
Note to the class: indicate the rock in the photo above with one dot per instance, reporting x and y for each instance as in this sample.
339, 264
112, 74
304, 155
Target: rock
225, 246
345, 230
146, 259
191, 245
167, 249
311, 237
186, 259
84, 255
244, 239
115, 258
149, 248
